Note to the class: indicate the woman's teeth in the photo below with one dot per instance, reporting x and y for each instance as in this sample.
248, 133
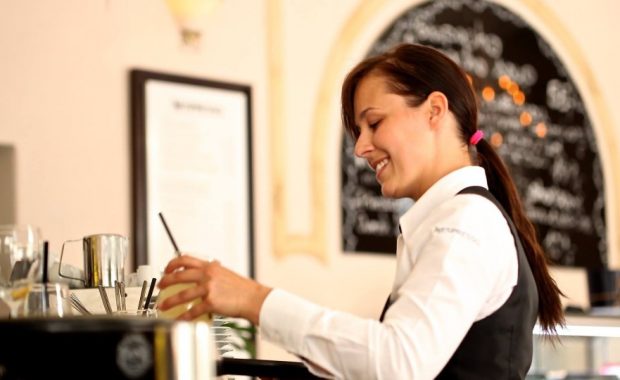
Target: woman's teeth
381, 164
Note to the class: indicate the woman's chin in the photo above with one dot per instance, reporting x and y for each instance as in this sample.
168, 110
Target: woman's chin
387, 192
393, 192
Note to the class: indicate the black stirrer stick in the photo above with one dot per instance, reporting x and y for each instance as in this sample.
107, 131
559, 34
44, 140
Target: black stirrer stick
142, 294
45, 258
45, 299
147, 303
174, 243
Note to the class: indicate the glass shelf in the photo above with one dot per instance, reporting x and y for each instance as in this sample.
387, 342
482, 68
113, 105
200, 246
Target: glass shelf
580, 325
588, 348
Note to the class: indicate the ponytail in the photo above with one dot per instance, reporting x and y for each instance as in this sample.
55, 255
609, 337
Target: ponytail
503, 188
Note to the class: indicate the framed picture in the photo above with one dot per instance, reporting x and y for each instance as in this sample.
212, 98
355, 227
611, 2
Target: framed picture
191, 161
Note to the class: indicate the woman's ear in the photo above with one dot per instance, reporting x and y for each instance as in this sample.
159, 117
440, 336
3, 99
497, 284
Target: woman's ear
438, 103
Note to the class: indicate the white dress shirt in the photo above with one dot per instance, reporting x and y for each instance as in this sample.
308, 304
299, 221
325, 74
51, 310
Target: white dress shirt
456, 263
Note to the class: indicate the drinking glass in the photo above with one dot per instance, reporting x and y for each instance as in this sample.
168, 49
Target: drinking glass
47, 300
20, 257
139, 313
176, 311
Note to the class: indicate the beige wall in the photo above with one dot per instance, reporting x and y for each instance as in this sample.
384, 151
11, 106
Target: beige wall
64, 107
64, 98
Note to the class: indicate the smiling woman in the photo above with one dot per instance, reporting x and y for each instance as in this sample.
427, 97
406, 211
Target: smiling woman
413, 115
471, 279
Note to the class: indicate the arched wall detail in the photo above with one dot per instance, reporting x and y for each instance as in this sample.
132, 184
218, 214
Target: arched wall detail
366, 22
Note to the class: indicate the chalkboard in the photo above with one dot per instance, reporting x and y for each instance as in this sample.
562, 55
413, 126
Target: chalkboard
530, 110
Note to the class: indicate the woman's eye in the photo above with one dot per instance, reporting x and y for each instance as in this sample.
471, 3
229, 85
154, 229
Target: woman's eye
374, 125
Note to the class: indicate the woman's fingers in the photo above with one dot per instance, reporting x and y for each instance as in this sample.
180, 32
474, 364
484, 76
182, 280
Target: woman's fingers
195, 312
186, 276
184, 261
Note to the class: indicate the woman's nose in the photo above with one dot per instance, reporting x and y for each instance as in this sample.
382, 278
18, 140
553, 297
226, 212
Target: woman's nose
363, 144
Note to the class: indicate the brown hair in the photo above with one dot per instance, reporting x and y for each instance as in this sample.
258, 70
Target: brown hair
414, 71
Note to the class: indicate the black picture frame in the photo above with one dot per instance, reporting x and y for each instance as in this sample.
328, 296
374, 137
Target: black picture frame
160, 107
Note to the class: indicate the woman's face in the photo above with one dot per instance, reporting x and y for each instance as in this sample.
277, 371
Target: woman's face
397, 140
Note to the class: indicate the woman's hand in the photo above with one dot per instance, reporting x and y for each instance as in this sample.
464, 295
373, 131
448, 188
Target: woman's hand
219, 289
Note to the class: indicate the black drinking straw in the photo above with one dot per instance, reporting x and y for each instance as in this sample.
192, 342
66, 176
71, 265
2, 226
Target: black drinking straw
149, 295
45, 256
45, 298
174, 243
142, 294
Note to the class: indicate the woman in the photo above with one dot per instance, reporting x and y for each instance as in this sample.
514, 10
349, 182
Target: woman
467, 289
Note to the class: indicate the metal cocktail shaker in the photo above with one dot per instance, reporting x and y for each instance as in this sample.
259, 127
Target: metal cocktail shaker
105, 257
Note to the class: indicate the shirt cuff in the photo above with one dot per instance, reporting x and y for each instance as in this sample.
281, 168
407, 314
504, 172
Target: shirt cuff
285, 319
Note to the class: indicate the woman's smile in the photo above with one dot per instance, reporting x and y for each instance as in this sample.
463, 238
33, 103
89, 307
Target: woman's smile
380, 167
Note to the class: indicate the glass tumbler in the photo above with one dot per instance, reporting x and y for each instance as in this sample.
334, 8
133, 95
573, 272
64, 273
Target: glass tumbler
47, 300
20, 257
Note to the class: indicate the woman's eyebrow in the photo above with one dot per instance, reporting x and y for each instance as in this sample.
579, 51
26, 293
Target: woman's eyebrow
363, 114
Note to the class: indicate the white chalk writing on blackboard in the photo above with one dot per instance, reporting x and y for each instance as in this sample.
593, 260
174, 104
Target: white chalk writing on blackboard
544, 132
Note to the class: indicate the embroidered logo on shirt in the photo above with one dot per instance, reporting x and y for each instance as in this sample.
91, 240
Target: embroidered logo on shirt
461, 233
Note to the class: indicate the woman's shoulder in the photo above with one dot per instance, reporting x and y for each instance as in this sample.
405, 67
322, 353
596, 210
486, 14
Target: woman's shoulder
470, 212
465, 204
472, 218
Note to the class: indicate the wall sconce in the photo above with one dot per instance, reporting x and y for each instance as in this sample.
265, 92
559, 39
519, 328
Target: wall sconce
191, 16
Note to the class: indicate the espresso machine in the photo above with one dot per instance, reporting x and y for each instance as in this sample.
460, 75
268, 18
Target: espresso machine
105, 348
97, 347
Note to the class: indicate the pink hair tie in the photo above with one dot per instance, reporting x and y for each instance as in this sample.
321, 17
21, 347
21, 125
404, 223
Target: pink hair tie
476, 137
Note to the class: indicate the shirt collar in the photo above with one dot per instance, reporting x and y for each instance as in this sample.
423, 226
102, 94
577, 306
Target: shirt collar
445, 188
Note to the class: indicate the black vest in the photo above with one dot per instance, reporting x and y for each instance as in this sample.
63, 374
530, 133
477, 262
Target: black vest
500, 345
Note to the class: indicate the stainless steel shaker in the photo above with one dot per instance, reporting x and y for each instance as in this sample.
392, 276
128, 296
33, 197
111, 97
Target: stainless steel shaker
105, 257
